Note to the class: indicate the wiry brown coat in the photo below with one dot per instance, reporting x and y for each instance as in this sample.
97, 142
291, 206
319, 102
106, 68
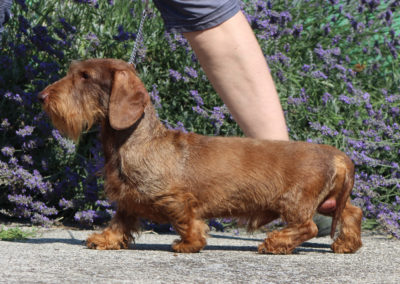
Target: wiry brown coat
183, 178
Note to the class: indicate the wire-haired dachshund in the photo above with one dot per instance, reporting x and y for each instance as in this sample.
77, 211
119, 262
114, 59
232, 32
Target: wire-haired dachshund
184, 178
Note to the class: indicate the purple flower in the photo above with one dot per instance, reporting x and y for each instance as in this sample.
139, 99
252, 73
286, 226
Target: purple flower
65, 204
395, 111
306, 68
23, 24
341, 68
5, 124
155, 97
336, 39
281, 76
41, 208
175, 75
27, 159
67, 27
123, 35
198, 99
179, 127
217, 116
85, 217
65, 143
285, 17
20, 199
8, 151
392, 98
297, 30
41, 220
191, 72
321, 53
319, 75
93, 38
25, 131
326, 98
350, 87
279, 57
13, 97
200, 111
323, 129
327, 29
29, 145
366, 97
103, 203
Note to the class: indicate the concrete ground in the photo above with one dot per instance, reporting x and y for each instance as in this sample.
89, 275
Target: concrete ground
58, 255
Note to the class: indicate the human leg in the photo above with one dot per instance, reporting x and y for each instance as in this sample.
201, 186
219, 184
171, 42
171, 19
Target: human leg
233, 61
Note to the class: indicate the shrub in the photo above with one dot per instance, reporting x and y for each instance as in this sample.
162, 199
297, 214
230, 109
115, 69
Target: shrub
334, 64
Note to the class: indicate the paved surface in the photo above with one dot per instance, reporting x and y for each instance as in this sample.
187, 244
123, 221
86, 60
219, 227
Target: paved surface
59, 256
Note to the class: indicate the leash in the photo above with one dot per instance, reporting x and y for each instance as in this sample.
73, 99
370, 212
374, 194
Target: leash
139, 34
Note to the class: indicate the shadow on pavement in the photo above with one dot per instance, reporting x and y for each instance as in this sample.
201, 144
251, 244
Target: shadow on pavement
308, 247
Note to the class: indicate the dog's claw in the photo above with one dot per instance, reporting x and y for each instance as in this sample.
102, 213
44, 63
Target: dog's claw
262, 249
91, 245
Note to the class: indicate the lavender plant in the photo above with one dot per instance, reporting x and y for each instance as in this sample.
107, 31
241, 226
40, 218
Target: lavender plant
334, 63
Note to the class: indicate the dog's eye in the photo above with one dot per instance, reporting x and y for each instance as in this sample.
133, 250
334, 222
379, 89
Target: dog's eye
85, 75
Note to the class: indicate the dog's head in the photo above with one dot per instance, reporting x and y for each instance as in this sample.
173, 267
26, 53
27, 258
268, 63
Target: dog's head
93, 90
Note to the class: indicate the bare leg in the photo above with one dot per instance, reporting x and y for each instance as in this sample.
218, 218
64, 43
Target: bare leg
233, 61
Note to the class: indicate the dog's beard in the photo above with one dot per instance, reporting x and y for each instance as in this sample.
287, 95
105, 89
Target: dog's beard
72, 120
71, 126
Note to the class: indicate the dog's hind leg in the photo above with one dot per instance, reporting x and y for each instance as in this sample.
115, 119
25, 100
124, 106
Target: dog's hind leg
349, 239
287, 239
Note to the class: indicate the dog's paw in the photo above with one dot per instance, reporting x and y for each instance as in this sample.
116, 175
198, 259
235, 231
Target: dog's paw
185, 247
267, 247
106, 241
346, 246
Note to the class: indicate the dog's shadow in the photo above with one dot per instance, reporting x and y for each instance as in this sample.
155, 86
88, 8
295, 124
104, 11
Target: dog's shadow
307, 247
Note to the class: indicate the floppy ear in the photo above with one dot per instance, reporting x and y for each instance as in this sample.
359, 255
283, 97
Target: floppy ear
127, 100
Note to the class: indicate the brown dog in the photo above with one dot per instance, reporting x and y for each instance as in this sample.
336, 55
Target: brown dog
169, 176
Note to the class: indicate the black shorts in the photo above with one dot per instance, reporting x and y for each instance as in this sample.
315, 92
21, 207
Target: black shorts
195, 15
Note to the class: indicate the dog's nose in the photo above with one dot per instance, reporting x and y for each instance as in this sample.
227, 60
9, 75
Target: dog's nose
43, 96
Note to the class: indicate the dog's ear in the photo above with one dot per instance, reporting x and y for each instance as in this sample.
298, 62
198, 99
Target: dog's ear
127, 100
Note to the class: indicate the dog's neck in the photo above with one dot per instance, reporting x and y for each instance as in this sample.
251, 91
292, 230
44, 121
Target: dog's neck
148, 127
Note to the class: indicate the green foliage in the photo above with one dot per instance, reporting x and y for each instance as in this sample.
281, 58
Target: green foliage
16, 234
334, 63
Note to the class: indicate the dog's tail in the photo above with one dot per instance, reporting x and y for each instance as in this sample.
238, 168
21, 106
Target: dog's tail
344, 185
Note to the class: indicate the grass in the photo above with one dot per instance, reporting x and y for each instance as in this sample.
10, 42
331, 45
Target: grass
17, 234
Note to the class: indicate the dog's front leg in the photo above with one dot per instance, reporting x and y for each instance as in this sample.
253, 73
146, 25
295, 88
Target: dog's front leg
193, 236
117, 235
180, 207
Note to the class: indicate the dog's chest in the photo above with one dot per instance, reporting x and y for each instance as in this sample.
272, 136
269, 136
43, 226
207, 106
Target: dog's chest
140, 174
